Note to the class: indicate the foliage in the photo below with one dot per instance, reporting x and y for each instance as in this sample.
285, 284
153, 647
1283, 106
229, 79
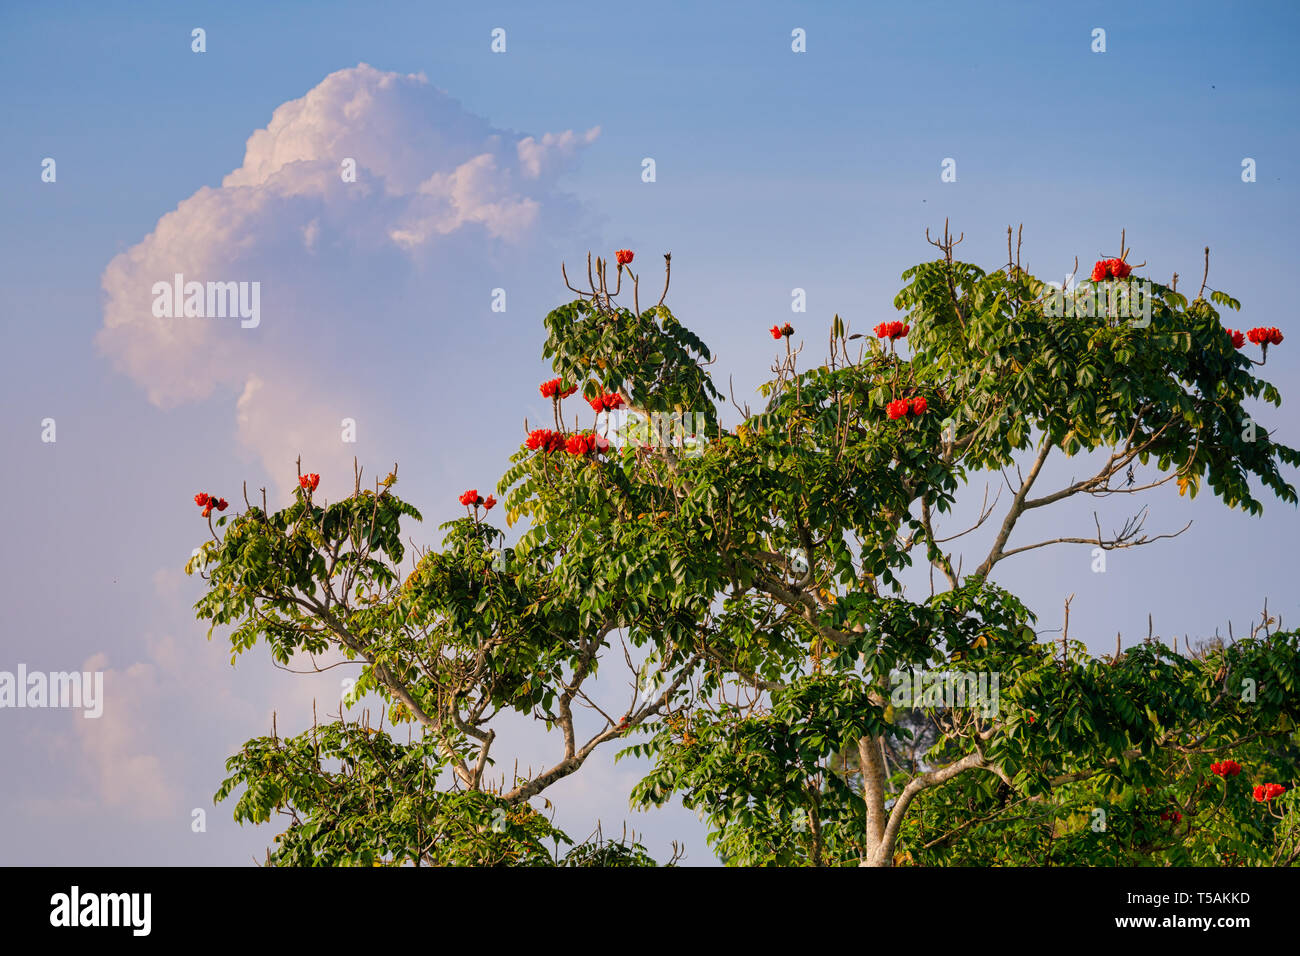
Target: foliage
760, 580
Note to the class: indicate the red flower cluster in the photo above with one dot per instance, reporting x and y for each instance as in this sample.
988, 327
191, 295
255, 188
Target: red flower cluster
1173, 815
309, 482
624, 256
207, 502
552, 389
1238, 340
892, 330
900, 407
1225, 768
1265, 792
546, 439
605, 403
472, 499
1111, 269
1263, 336
585, 443
779, 330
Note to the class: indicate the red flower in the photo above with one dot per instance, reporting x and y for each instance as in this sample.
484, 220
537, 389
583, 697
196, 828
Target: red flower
1173, 815
892, 330
918, 405
202, 499
897, 409
1119, 269
585, 443
1225, 768
1265, 792
606, 402
309, 482
555, 389
776, 331
1238, 340
545, 439
787, 330
207, 511
470, 497
578, 444
488, 503
624, 256
1265, 336
1101, 271
222, 504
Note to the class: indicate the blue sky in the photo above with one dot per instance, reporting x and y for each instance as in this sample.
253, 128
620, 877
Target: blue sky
775, 170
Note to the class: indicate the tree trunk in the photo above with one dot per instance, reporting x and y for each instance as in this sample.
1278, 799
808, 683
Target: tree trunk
880, 851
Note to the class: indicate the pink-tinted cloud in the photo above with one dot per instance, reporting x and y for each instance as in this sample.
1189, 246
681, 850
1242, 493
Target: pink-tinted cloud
334, 256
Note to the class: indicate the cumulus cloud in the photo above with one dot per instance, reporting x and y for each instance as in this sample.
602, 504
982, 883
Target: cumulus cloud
126, 777
552, 152
186, 686
439, 194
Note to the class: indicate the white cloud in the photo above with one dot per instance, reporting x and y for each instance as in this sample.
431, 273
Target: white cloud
552, 152
125, 776
438, 193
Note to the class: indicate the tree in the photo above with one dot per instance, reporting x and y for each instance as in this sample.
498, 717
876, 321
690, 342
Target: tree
786, 685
